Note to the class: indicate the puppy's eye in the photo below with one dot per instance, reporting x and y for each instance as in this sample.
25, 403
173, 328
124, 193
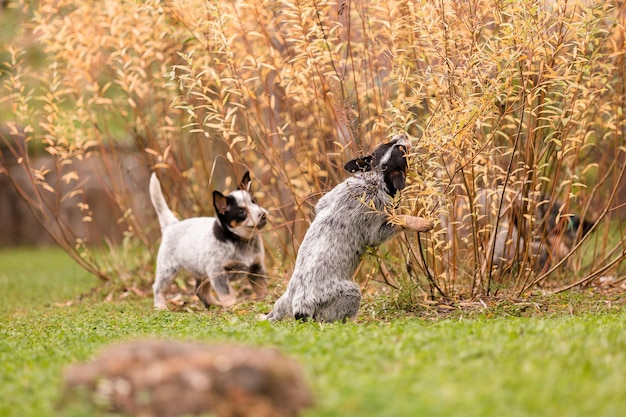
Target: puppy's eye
241, 211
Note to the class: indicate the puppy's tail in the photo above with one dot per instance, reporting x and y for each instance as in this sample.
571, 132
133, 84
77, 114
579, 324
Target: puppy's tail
166, 217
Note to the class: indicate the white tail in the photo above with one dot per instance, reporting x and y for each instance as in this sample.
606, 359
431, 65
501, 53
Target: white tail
166, 217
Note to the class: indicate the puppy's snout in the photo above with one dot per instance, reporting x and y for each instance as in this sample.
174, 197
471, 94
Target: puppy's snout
262, 220
398, 179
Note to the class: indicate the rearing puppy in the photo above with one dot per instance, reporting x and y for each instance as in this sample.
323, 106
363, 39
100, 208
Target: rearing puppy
348, 219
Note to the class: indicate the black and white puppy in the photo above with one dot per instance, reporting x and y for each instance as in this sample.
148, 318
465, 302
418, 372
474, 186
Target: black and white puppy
551, 237
214, 249
348, 219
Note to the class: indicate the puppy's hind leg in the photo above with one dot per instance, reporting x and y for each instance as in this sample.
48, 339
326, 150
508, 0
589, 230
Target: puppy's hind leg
224, 292
164, 276
342, 306
203, 291
258, 281
282, 308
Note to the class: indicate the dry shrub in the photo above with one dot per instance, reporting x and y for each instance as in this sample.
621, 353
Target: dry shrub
524, 96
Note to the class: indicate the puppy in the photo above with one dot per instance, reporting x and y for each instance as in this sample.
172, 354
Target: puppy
547, 239
348, 219
214, 249
554, 232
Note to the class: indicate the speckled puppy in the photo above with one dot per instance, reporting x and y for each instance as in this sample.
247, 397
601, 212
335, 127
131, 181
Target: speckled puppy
214, 249
348, 219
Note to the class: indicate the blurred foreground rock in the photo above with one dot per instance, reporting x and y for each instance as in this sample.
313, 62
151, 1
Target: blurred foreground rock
167, 378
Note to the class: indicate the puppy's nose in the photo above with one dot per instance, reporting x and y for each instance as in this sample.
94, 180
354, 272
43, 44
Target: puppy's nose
262, 220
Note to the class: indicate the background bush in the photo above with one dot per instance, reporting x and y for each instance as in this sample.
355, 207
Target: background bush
529, 95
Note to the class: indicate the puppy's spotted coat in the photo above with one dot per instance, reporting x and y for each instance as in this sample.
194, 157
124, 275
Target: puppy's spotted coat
348, 219
214, 249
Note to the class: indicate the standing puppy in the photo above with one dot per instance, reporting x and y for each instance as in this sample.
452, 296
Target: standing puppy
214, 249
348, 219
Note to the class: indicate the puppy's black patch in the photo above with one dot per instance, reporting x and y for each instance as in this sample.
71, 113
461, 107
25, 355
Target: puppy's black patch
360, 164
301, 317
553, 220
223, 234
582, 226
394, 167
229, 214
369, 162
587, 226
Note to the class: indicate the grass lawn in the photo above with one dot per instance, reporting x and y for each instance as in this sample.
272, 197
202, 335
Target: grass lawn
488, 363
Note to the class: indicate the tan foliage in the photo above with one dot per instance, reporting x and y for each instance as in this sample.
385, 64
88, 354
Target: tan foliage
528, 95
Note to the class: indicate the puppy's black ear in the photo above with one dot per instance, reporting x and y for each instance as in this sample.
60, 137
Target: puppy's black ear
244, 184
220, 203
360, 164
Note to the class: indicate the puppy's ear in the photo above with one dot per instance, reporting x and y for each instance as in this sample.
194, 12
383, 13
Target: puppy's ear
220, 203
360, 164
244, 184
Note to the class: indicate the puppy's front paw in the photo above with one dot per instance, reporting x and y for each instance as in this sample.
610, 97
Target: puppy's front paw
416, 224
227, 300
161, 307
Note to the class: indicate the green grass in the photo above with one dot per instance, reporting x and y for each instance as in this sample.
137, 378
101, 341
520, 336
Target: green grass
467, 364
32, 277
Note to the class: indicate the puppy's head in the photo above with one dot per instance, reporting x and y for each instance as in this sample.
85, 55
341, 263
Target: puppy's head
559, 231
238, 211
560, 222
571, 229
389, 159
